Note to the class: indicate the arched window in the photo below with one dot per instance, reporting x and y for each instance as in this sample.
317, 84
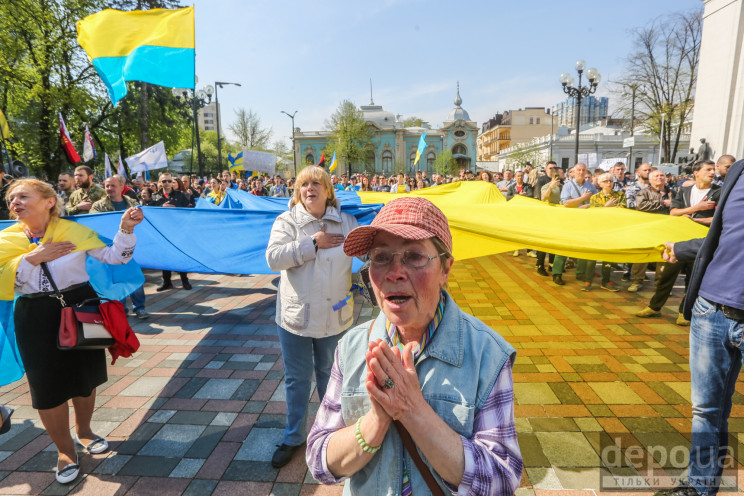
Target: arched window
387, 162
430, 157
369, 161
412, 158
309, 159
459, 149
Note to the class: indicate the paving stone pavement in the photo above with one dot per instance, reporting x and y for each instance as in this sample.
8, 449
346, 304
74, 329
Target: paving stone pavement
199, 409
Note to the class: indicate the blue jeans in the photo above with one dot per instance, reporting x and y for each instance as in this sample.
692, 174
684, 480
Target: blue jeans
301, 356
715, 360
138, 299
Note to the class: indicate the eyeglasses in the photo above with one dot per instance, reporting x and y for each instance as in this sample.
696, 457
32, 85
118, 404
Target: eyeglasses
167, 181
380, 257
605, 181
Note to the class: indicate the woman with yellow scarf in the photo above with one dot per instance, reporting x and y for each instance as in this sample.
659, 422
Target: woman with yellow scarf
56, 376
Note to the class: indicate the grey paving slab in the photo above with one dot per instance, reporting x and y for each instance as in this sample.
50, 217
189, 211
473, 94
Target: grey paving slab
161, 416
284, 489
224, 419
193, 418
200, 487
208, 439
20, 435
218, 389
241, 357
263, 366
194, 385
187, 468
172, 440
250, 471
254, 407
149, 466
43, 462
245, 390
112, 414
260, 444
214, 364
146, 386
138, 439
112, 464
4, 455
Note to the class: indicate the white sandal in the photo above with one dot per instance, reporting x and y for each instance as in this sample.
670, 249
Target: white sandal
68, 473
98, 445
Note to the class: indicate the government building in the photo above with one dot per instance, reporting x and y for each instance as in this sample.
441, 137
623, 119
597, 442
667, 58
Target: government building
395, 145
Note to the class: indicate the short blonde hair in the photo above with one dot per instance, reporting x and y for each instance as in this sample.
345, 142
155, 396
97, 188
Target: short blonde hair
40, 187
604, 177
317, 174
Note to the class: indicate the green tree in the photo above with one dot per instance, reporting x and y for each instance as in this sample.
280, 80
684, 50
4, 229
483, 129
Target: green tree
351, 136
444, 163
250, 134
413, 122
523, 153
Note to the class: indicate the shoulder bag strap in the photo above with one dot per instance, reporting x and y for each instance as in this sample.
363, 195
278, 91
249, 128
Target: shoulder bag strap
49, 277
411, 448
420, 465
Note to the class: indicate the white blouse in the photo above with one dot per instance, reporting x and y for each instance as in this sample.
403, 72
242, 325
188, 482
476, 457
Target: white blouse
70, 269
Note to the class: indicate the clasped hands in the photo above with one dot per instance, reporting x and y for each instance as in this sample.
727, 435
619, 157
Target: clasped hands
392, 385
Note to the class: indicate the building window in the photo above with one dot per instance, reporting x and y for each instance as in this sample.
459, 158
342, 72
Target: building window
387, 162
430, 157
564, 163
411, 159
459, 150
309, 159
532, 120
538, 121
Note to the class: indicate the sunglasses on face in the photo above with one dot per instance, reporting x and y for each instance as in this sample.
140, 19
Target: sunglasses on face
167, 180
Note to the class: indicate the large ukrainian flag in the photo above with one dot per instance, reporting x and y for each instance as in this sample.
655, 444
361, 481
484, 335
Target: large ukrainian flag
154, 46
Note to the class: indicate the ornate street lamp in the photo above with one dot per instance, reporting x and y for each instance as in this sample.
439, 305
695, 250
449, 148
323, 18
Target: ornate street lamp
294, 152
196, 100
579, 92
219, 84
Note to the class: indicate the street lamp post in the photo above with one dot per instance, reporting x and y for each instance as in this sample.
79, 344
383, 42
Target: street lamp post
294, 151
579, 92
197, 100
219, 84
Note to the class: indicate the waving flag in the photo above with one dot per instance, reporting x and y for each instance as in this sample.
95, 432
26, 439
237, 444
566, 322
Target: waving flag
148, 159
321, 162
4, 129
421, 146
89, 148
120, 168
236, 162
154, 46
107, 165
64, 136
334, 163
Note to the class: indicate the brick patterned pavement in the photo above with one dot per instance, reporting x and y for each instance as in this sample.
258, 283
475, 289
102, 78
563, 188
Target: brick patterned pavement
199, 409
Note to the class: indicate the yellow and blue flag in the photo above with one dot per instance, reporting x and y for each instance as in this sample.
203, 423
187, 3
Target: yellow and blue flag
153, 46
4, 128
334, 163
236, 162
421, 146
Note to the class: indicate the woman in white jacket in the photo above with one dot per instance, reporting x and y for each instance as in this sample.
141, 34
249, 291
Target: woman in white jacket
314, 304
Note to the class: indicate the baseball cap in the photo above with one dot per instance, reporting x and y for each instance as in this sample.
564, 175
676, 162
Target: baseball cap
412, 218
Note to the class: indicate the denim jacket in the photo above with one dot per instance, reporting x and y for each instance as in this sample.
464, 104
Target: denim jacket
456, 371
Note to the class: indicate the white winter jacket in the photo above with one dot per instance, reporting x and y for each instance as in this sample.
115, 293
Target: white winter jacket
311, 283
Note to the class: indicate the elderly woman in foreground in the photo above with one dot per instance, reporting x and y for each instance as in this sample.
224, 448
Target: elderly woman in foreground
423, 375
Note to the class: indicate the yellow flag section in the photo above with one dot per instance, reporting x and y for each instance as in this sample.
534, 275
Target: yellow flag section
484, 223
14, 245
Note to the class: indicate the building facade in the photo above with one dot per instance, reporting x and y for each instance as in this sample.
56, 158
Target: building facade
395, 145
208, 117
511, 128
593, 109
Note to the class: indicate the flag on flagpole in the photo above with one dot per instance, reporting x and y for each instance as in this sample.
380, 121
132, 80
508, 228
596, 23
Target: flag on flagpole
149, 159
64, 136
236, 162
120, 168
107, 165
334, 163
154, 46
321, 162
4, 128
89, 148
421, 147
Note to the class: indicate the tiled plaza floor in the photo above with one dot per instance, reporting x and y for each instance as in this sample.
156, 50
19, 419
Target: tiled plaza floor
199, 409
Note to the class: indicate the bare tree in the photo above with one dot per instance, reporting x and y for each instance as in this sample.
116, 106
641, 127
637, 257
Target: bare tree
663, 68
247, 128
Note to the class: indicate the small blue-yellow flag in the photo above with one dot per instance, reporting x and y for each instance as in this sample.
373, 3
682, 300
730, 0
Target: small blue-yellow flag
421, 146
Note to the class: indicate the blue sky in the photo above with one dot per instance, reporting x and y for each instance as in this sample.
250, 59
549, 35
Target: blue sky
309, 56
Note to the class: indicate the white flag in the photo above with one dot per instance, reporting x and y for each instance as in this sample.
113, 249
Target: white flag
149, 159
120, 169
259, 161
107, 166
89, 149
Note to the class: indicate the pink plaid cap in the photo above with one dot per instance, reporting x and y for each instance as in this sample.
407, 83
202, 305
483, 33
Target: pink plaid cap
409, 218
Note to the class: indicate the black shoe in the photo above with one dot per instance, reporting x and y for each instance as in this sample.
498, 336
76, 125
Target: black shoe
283, 455
166, 285
682, 489
626, 278
5, 413
558, 280
186, 284
542, 271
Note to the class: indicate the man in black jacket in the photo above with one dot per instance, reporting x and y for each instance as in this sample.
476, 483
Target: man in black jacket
715, 304
170, 198
698, 202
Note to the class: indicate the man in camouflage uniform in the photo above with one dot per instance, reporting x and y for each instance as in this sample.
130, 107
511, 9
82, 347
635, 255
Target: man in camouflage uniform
83, 198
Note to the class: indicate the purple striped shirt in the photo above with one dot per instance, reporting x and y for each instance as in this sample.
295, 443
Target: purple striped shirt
493, 462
